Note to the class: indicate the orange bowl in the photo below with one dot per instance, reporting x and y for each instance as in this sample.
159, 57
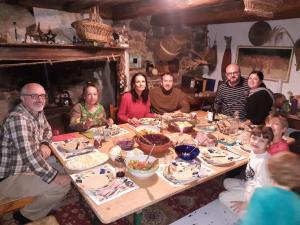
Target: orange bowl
162, 143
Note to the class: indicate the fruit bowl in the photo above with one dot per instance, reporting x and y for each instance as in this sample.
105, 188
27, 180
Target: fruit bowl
162, 143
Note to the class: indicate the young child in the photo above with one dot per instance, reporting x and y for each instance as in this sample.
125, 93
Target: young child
238, 192
279, 126
280, 204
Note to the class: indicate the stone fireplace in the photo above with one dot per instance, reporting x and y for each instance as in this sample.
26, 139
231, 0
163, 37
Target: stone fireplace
59, 69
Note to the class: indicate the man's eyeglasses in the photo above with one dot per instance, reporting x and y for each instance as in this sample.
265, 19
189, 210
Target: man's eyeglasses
233, 73
36, 96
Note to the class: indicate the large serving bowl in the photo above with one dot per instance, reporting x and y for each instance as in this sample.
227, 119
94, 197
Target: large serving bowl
162, 143
137, 167
187, 152
182, 124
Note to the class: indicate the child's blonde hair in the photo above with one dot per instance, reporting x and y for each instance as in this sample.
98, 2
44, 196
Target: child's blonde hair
284, 168
282, 120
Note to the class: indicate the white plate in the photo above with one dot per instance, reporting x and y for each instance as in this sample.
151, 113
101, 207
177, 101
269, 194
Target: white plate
182, 170
77, 144
149, 121
147, 129
218, 157
86, 161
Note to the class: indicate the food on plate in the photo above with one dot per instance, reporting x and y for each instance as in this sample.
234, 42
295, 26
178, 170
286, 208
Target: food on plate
182, 170
227, 140
217, 156
183, 124
86, 161
116, 151
206, 139
149, 121
147, 129
142, 165
178, 138
74, 145
114, 129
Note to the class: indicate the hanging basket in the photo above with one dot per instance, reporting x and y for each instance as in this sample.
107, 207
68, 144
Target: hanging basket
93, 29
263, 8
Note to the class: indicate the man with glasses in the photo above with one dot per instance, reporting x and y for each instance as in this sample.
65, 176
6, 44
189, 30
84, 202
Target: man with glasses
24, 148
231, 95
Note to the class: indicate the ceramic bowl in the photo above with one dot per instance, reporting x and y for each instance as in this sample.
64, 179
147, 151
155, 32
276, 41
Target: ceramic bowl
141, 173
162, 143
187, 152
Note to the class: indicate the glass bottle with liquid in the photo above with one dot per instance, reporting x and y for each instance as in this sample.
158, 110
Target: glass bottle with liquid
120, 166
211, 114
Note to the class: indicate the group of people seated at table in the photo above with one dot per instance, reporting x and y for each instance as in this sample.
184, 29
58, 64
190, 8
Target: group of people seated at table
25, 136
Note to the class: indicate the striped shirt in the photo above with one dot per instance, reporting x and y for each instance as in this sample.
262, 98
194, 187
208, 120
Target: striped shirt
20, 139
230, 99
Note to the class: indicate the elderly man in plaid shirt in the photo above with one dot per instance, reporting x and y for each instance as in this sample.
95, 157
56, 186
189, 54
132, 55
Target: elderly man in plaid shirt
24, 148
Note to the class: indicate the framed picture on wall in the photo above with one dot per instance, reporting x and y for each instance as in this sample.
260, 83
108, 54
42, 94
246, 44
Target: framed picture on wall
274, 62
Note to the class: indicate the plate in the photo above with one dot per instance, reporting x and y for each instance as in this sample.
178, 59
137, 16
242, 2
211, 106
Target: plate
181, 170
147, 129
149, 121
218, 157
74, 145
86, 161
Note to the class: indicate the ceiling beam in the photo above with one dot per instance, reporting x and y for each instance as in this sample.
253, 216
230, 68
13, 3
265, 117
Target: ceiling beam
226, 13
154, 7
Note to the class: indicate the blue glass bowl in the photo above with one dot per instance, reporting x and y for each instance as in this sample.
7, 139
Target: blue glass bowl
187, 152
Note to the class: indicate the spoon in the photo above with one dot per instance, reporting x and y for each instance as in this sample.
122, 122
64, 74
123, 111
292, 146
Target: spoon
149, 154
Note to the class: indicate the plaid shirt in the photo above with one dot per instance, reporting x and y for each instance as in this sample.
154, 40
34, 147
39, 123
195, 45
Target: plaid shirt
20, 139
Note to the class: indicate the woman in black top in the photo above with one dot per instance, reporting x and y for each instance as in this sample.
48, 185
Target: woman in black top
260, 100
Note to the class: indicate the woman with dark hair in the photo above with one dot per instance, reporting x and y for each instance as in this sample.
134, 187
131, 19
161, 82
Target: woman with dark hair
88, 112
260, 100
280, 204
135, 104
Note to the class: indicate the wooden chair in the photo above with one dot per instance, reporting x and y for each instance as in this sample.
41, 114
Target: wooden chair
113, 112
8, 205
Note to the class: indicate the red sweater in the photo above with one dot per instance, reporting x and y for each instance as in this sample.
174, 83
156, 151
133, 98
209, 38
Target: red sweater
278, 147
129, 109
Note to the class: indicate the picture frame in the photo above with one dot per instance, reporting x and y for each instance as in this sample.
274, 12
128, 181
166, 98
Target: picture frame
135, 61
274, 62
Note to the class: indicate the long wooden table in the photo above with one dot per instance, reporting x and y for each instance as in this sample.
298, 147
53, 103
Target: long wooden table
151, 191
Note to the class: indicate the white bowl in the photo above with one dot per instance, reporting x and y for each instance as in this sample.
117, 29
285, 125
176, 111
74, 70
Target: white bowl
141, 174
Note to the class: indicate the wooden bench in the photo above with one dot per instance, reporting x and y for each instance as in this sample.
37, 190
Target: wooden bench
8, 205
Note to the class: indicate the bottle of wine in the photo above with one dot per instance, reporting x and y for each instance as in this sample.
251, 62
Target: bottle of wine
211, 114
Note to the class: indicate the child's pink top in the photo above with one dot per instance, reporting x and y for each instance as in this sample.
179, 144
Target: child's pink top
280, 146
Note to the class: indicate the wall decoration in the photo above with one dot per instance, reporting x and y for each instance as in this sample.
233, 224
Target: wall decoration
135, 61
275, 62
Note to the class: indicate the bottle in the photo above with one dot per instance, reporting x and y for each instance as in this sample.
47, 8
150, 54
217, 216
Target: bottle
235, 122
211, 114
120, 166
294, 105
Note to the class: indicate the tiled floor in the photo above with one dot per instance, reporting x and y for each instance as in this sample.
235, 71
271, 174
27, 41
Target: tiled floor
214, 213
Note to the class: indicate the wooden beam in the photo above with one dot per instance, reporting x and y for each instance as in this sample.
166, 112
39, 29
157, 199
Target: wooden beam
226, 13
154, 7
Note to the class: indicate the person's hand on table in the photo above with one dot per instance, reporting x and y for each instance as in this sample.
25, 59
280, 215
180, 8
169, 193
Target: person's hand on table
62, 180
238, 206
134, 121
45, 151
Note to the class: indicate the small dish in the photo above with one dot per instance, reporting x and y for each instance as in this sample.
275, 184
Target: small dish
187, 152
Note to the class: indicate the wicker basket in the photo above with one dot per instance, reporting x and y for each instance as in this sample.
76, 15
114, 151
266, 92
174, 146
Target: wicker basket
93, 29
263, 8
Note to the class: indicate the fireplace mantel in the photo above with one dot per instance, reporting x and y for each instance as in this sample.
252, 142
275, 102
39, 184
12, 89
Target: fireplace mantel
55, 52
